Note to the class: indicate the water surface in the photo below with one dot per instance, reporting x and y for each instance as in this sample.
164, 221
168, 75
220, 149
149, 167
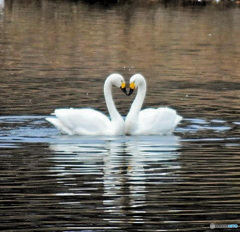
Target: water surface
58, 54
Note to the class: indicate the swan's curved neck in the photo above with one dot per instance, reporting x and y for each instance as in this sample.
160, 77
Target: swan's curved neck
138, 102
114, 115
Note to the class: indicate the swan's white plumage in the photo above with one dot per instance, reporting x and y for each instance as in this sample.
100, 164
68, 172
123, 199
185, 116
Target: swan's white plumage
157, 121
87, 121
59, 125
149, 121
81, 122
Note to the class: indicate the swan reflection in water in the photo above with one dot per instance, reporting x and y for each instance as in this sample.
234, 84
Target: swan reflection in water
120, 169
1, 11
1, 4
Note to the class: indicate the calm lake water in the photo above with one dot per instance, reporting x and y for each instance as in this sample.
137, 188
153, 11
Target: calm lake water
57, 54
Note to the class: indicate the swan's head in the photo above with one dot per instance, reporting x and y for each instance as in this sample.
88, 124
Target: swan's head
136, 81
118, 81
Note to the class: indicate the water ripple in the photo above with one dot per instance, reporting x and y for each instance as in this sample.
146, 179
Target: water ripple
124, 182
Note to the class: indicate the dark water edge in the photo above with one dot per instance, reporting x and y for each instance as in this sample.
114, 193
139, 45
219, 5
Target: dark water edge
150, 3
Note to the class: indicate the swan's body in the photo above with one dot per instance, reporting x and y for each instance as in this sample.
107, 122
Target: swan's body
149, 121
87, 121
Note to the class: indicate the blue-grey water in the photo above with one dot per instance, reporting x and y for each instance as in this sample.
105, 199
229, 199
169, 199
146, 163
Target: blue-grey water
57, 54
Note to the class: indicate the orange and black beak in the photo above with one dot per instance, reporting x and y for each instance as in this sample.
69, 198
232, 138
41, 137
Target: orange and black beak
132, 87
123, 87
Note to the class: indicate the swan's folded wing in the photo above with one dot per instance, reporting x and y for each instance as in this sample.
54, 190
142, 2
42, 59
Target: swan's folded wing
157, 121
59, 125
81, 121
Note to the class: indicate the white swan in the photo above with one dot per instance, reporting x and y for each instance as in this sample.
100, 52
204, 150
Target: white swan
87, 121
149, 121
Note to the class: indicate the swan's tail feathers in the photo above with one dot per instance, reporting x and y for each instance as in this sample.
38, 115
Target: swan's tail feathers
178, 119
59, 125
171, 119
176, 122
